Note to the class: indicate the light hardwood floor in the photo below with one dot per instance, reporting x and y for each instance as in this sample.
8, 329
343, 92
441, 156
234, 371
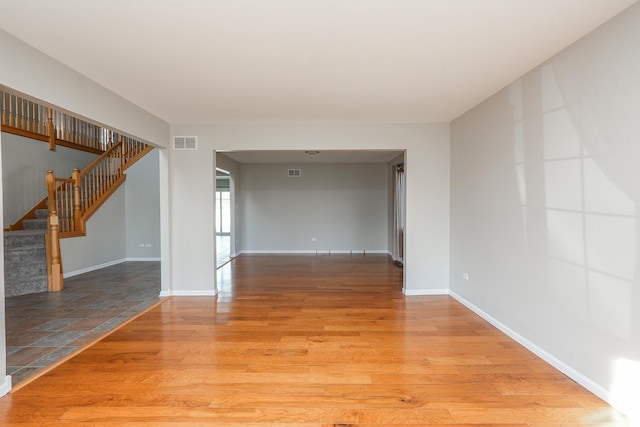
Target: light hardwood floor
306, 341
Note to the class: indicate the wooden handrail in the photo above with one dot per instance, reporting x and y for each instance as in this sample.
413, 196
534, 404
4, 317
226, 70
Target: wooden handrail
42, 204
78, 197
31, 119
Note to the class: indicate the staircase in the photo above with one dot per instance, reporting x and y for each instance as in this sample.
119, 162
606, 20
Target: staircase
25, 257
32, 244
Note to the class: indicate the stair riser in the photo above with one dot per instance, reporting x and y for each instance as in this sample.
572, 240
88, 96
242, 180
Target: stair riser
32, 256
27, 287
17, 242
35, 224
42, 213
26, 274
25, 262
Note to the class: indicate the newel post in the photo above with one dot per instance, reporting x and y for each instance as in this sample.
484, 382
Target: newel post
77, 207
52, 238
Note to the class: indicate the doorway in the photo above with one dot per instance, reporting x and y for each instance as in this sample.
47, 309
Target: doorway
398, 207
223, 217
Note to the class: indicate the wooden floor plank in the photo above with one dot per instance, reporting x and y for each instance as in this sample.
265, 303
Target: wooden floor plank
306, 341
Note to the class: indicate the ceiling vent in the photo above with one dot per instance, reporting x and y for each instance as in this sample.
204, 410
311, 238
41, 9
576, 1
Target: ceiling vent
294, 173
185, 142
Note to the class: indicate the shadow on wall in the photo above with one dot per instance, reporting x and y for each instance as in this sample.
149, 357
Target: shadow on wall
587, 206
588, 212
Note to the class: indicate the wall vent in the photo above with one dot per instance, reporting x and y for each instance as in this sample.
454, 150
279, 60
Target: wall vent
295, 173
185, 142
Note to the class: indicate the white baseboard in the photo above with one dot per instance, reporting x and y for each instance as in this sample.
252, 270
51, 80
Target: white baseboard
93, 268
107, 264
143, 259
350, 252
572, 373
193, 293
275, 252
314, 252
164, 294
417, 292
5, 386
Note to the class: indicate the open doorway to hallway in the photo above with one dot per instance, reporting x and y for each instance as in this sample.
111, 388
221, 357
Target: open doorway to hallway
223, 217
398, 214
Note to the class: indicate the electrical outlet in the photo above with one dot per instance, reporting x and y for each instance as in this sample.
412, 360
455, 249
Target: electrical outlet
314, 239
147, 245
465, 276
141, 245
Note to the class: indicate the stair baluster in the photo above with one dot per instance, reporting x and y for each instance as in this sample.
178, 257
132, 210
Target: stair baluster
77, 207
51, 129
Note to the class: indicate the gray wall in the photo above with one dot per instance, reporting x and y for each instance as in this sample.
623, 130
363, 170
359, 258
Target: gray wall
25, 163
545, 195
142, 215
105, 242
344, 206
129, 217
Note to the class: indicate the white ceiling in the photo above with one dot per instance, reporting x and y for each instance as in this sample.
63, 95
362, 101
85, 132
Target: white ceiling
211, 61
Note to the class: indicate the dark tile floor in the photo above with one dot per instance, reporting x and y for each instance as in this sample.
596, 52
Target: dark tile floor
45, 327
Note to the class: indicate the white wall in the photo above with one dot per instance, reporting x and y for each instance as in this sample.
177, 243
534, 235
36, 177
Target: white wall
342, 205
545, 197
25, 165
427, 146
142, 204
